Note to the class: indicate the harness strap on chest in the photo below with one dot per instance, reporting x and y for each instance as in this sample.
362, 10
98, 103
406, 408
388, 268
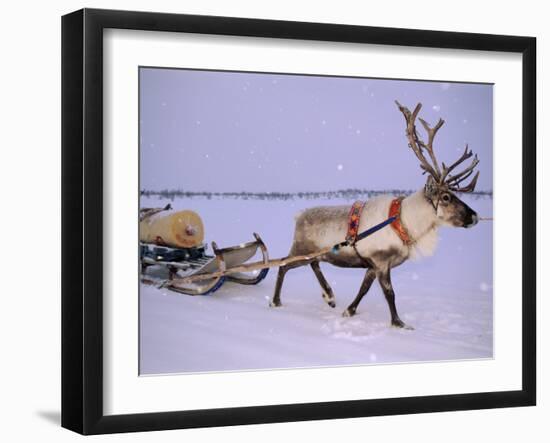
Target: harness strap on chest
397, 225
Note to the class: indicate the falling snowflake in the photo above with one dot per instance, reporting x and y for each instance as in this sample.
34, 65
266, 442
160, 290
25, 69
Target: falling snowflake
484, 286
358, 131
436, 108
340, 167
198, 122
324, 122
415, 276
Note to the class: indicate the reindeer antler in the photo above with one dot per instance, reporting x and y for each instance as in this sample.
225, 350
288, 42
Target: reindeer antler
414, 141
439, 173
454, 181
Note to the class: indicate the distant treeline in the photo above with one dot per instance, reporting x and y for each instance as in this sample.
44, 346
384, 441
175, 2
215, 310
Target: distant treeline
340, 194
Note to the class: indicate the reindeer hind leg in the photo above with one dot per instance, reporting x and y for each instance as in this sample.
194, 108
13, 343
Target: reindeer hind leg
276, 300
328, 294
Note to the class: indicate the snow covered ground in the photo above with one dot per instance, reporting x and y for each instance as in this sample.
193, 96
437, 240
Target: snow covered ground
447, 298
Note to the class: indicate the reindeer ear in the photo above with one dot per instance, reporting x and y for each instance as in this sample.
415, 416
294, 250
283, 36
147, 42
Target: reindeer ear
430, 189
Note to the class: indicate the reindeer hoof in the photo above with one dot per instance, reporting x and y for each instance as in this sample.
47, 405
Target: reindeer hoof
275, 304
350, 312
400, 324
329, 299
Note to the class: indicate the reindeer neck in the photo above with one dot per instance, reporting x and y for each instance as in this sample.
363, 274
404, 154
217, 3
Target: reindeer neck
418, 216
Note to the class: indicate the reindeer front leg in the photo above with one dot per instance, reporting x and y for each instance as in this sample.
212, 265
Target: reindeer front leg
385, 283
370, 275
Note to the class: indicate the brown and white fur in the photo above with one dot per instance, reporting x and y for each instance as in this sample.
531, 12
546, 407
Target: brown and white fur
422, 213
321, 227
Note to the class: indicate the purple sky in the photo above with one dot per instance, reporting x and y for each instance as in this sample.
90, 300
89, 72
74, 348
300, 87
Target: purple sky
228, 131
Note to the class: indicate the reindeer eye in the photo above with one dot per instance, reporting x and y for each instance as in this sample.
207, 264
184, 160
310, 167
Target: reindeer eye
446, 198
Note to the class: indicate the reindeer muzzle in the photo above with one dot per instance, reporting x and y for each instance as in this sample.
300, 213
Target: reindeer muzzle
472, 220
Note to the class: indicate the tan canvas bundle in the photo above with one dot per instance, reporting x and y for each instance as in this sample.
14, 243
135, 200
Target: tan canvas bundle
181, 229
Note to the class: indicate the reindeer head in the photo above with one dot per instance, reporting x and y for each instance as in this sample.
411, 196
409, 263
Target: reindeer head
441, 185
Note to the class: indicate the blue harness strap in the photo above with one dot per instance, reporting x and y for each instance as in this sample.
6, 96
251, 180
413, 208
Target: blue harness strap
364, 234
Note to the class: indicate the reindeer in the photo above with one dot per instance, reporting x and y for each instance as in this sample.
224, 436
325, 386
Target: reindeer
414, 232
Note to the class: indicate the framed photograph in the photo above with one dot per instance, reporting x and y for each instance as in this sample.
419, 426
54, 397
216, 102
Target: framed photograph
269, 221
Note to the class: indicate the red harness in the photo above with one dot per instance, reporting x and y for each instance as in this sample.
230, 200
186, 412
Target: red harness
395, 211
354, 219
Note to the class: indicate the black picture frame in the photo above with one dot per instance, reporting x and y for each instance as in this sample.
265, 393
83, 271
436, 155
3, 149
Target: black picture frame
82, 218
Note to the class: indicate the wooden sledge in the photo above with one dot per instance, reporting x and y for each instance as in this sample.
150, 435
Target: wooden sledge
181, 263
